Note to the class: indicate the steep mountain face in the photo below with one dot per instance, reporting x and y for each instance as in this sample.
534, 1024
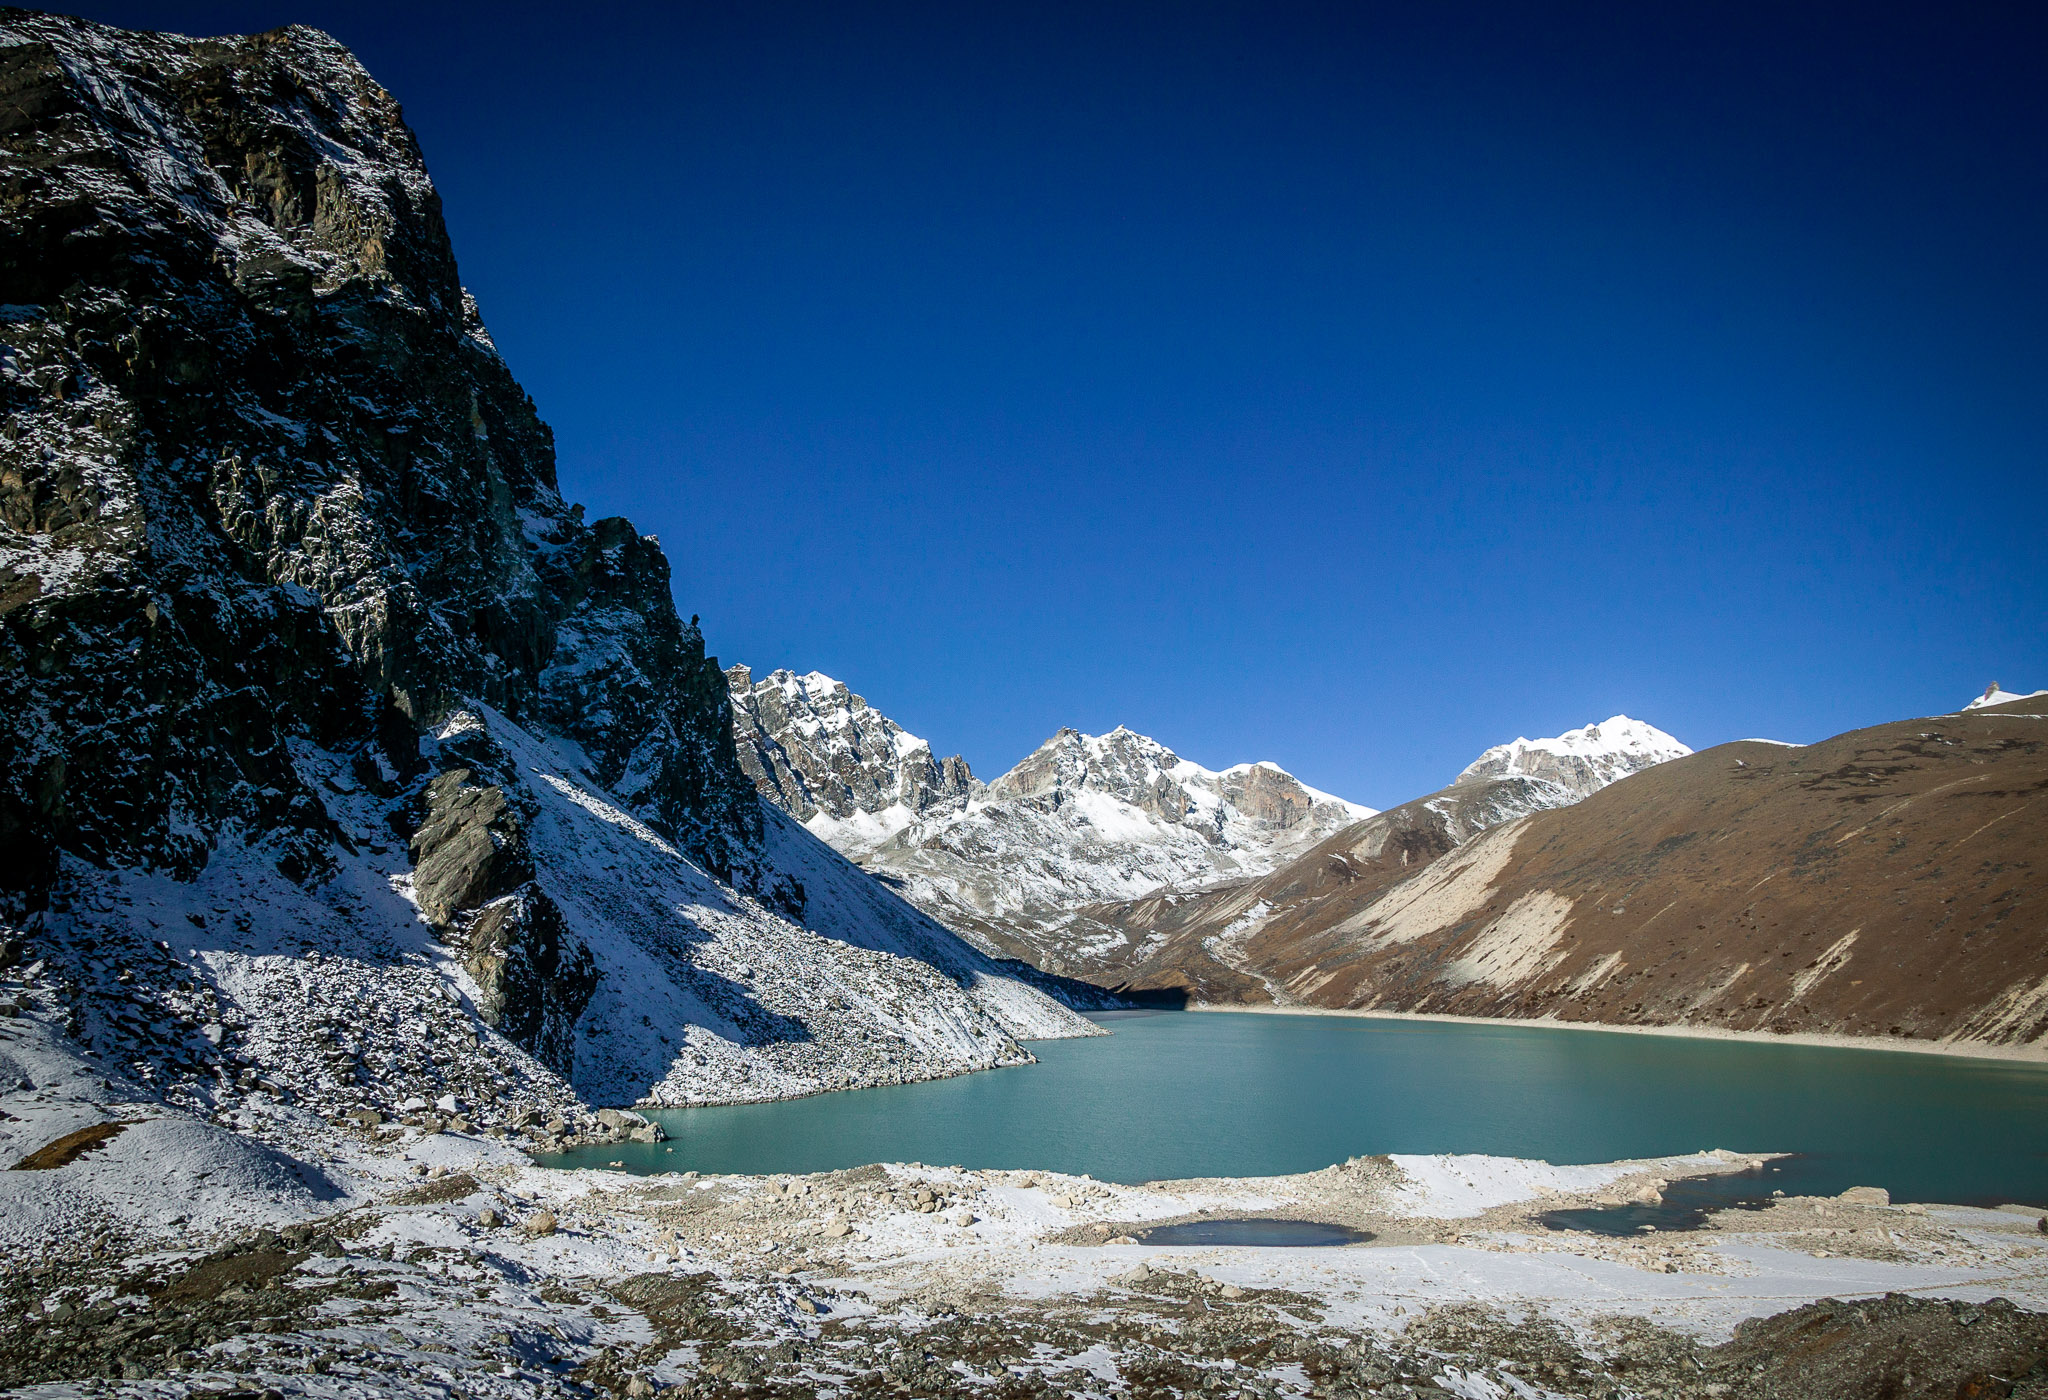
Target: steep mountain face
1249, 941
1082, 819
849, 773
302, 649
1883, 882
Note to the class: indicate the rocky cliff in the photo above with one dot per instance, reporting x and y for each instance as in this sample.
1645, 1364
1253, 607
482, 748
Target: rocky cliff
304, 654
848, 772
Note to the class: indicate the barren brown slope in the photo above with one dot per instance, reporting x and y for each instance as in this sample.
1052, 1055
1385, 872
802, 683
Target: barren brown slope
1885, 882
1212, 943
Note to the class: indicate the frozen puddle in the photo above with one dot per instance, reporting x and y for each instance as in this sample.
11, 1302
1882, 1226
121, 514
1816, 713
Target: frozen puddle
1294, 1234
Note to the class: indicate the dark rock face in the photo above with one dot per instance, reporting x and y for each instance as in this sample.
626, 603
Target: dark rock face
473, 875
470, 848
266, 485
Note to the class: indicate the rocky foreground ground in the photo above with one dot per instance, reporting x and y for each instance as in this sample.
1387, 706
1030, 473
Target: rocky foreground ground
444, 1263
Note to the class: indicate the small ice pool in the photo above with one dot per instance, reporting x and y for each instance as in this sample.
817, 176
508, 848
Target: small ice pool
1292, 1234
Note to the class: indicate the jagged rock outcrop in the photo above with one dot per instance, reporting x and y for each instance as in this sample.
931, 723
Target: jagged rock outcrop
285, 572
1085, 818
475, 882
849, 773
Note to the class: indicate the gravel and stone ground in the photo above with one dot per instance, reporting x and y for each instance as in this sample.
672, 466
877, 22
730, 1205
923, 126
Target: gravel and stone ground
450, 1266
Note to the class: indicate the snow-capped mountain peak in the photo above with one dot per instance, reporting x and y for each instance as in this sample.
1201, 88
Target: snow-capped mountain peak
848, 772
1083, 817
1582, 760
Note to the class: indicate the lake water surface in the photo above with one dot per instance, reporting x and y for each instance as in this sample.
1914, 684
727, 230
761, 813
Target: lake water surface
1180, 1094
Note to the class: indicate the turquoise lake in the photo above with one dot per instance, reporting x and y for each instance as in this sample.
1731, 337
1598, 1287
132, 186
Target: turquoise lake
1179, 1094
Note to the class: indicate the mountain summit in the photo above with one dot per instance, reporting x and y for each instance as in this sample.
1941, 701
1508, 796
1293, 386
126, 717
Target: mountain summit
850, 774
1241, 940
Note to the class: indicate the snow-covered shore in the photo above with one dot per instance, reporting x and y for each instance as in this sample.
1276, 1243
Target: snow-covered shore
272, 1249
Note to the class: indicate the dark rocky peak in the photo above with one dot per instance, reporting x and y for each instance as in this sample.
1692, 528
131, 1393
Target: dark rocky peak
817, 750
266, 481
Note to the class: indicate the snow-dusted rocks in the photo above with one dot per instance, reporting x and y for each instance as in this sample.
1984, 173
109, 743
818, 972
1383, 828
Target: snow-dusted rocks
1083, 818
849, 773
1094, 817
346, 762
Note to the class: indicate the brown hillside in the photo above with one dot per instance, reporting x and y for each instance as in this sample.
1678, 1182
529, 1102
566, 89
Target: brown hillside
1884, 882
1212, 942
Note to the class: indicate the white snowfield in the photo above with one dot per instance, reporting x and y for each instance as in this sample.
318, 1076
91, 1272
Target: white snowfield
1994, 695
1580, 760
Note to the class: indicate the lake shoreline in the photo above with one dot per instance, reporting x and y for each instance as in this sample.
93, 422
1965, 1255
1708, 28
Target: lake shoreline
1968, 1050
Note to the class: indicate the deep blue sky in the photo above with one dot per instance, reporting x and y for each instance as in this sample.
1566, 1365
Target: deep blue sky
1352, 388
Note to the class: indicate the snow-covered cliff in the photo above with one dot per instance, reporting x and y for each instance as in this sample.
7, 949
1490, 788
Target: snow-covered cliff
305, 657
1083, 818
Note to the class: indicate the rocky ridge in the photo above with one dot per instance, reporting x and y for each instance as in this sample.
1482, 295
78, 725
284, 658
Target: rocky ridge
322, 697
849, 773
1081, 819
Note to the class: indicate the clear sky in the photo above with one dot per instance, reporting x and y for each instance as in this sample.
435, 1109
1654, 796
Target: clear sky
1349, 386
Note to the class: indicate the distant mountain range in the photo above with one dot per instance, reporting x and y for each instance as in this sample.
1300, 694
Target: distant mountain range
1083, 818
1057, 859
1885, 882
1881, 883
